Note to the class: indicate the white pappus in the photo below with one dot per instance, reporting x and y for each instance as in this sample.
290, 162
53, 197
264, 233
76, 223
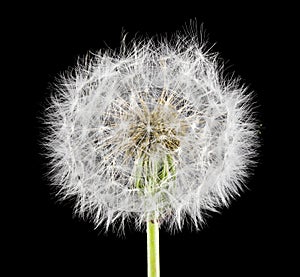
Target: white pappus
153, 127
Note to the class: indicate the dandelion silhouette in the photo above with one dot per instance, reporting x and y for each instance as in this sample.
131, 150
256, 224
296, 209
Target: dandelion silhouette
152, 134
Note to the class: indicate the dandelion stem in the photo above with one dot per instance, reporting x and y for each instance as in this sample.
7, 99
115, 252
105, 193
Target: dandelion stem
153, 246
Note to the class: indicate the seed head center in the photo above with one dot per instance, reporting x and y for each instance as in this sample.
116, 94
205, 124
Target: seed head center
154, 129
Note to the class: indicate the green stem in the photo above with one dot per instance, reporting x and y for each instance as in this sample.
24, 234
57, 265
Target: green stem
153, 247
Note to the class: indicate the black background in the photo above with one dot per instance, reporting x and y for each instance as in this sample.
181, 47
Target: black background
252, 236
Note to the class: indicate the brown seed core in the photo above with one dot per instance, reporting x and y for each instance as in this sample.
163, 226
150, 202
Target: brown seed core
159, 127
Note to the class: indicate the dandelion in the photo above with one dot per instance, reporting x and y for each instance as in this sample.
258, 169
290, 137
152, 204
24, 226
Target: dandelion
152, 134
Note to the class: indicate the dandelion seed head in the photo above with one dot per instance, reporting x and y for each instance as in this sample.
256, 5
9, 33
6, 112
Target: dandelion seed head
155, 127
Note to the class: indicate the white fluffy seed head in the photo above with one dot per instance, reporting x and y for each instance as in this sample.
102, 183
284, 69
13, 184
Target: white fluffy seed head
154, 127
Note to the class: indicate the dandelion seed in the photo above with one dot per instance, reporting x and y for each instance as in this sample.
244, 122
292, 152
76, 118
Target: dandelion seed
153, 133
